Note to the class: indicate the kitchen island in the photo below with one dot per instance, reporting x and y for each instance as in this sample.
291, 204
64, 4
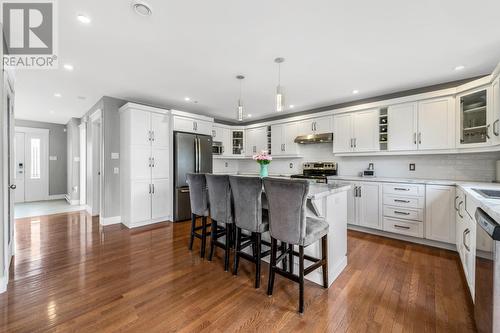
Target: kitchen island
330, 202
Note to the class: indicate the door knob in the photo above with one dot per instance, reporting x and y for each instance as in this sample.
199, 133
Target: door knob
13, 187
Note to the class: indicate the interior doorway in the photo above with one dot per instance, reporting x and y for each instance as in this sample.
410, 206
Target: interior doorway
96, 160
83, 163
31, 164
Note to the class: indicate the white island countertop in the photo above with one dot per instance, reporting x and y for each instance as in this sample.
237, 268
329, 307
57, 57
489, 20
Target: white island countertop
317, 191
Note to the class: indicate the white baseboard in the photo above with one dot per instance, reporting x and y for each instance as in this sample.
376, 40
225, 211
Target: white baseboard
410, 239
4, 280
110, 220
71, 202
57, 197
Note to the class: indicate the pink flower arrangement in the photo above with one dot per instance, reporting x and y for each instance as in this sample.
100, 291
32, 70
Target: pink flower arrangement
263, 158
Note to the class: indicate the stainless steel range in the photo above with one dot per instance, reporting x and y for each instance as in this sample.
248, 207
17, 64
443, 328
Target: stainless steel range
318, 171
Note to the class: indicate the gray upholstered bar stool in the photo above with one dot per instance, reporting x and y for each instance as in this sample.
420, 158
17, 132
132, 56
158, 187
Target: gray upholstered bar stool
289, 224
219, 194
198, 197
250, 217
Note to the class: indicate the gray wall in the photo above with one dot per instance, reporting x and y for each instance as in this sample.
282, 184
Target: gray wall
111, 138
57, 147
73, 179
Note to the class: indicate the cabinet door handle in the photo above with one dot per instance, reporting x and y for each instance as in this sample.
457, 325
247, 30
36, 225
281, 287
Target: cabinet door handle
356, 191
466, 232
153, 164
419, 138
459, 205
359, 191
401, 213
150, 136
415, 138
403, 201
456, 208
149, 162
401, 227
153, 185
149, 188
355, 142
401, 189
488, 131
495, 127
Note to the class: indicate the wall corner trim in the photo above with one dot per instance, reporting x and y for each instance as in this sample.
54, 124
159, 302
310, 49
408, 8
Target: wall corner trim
110, 220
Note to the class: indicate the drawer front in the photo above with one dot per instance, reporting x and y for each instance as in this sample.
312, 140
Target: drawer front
404, 213
406, 202
408, 228
405, 189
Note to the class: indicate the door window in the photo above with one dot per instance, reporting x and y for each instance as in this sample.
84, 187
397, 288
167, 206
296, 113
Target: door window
35, 158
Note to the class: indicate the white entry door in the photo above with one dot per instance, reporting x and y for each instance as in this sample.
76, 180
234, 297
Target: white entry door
36, 164
19, 166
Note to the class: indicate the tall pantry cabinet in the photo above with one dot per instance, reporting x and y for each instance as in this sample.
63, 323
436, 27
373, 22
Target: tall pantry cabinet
145, 159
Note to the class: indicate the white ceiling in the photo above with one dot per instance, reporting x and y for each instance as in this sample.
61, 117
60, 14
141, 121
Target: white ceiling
196, 48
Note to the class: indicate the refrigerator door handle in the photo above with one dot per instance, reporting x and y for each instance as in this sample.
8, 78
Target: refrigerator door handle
197, 155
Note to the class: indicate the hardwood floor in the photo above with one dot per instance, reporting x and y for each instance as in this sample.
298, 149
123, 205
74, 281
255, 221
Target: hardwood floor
70, 275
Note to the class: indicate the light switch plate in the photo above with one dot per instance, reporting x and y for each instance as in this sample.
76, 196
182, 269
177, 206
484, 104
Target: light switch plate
115, 156
53, 158
77, 159
412, 166
116, 171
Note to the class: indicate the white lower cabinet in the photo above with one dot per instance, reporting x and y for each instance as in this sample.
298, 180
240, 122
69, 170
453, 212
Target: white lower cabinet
439, 213
408, 228
364, 205
465, 239
140, 210
160, 195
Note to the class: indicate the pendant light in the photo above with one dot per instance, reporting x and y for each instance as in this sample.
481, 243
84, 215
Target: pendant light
240, 105
280, 99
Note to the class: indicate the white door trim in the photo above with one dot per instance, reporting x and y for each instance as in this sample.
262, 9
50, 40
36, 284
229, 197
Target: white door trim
83, 163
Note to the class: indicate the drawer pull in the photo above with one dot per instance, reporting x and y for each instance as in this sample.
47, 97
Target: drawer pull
401, 227
403, 201
401, 189
401, 213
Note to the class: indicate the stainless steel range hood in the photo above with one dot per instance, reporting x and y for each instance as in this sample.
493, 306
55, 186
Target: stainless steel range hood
315, 138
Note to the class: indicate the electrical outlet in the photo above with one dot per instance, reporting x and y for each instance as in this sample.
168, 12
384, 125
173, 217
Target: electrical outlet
291, 165
412, 166
226, 164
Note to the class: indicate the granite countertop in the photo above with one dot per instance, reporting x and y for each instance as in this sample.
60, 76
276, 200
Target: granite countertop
396, 180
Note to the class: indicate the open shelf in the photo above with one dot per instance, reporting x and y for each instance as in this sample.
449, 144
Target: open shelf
383, 128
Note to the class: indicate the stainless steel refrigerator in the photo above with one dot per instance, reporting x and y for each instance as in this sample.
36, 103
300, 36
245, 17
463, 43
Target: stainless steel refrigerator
192, 154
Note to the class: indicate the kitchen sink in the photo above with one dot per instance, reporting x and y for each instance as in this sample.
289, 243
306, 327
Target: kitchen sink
488, 194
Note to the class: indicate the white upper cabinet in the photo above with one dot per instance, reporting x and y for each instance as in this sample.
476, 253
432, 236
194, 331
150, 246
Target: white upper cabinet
365, 129
356, 132
140, 133
192, 125
223, 135
436, 124
218, 133
160, 130
495, 110
475, 117
402, 131
283, 139
342, 133
256, 140
318, 125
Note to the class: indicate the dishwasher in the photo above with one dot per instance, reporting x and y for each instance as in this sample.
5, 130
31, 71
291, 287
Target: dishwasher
487, 277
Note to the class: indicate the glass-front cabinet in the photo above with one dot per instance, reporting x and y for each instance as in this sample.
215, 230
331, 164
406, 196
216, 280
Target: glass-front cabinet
237, 137
474, 118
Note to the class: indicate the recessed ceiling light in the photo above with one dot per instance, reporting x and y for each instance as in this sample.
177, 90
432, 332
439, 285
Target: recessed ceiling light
57, 95
459, 67
249, 116
142, 8
69, 67
187, 99
83, 18
292, 106
355, 92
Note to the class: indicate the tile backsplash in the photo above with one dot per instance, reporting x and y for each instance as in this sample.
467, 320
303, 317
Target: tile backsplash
472, 167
